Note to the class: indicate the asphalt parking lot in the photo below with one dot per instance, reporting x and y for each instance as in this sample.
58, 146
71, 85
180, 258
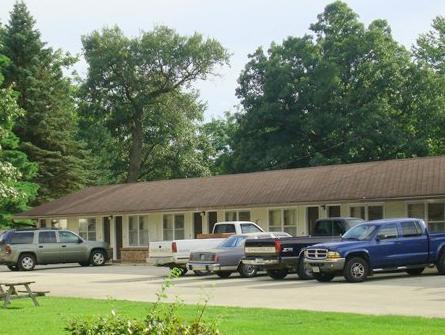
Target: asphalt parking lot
383, 294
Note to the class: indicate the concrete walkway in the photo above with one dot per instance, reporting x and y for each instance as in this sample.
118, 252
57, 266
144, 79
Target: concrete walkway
383, 294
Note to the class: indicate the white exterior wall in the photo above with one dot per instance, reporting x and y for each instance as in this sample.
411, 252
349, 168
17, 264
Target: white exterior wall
260, 215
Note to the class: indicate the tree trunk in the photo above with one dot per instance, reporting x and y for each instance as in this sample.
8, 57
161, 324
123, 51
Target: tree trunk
135, 159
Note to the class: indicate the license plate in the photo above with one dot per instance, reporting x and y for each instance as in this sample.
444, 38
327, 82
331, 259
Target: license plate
315, 269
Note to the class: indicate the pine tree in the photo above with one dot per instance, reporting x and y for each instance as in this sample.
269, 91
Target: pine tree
48, 127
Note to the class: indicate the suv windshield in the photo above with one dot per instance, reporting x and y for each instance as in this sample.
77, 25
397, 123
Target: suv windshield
360, 232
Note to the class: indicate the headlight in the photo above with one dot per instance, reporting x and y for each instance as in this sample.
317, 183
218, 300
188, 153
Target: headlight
333, 254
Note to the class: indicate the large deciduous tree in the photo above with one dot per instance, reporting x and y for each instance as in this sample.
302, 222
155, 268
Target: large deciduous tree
16, 171
345, 93
135, 91
47, 129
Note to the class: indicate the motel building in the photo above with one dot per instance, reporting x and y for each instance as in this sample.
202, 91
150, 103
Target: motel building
129, 216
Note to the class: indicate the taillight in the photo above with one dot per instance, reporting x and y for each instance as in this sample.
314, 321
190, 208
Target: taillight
174, 247
8, 249
215, 258
278, 246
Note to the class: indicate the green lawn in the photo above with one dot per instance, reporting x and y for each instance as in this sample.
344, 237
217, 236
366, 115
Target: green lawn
50, 318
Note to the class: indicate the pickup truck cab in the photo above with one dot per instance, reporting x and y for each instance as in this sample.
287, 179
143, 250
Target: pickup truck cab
176, 253
378, 246
282, 255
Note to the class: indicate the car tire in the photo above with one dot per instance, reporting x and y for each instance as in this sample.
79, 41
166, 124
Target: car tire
303, 272
277, 274
84, 263
441, 263
323, 277
356, 270
26, 262
13, 267
247, 271
98, 258
415, 272
223, 274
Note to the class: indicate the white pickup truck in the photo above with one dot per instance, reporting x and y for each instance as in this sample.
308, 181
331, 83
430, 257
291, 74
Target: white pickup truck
176, 253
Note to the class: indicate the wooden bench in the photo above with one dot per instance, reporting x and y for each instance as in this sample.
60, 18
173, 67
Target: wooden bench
8, 292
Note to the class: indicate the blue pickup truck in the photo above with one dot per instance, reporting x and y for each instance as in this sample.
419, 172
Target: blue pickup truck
378, 246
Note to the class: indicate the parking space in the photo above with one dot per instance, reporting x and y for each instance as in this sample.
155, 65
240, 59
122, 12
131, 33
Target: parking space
384, 294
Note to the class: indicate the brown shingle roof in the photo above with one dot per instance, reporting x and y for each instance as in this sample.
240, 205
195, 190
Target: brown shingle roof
383, 180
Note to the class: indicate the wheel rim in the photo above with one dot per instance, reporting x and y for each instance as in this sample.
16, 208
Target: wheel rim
98, 258
27, 263
249, 269
357, 270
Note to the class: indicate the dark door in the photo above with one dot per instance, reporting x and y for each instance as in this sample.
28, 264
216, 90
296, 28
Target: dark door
213, 218
312, 216
107, 235
118, 235
197, 224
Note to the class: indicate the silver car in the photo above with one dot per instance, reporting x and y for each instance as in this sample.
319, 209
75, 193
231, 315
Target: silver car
227, 257
24, 249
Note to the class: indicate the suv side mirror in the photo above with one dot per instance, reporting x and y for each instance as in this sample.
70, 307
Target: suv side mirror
79, 240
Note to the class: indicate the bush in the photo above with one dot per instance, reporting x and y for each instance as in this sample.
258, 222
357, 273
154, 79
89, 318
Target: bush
163, 319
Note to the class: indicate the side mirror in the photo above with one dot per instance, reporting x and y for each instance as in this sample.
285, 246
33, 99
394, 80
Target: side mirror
79, 240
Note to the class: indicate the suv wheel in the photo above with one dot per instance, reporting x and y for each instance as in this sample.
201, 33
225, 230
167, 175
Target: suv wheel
356, 270
26, 262
247, 271
323, 277
98, 258
304, 273
277, 274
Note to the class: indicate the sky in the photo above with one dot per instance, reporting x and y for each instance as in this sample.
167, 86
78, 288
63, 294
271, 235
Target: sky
241, 26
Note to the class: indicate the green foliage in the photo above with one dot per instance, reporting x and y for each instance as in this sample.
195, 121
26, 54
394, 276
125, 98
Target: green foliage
430, 47
135, 96
16, 171
48, 125
346, 93
162, 319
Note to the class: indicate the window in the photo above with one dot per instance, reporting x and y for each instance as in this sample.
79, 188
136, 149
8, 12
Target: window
47, 237
436, 217
367, 212
322, 228
22, 238
416, 211
247, 228
233, 242
375, 212
173, 227
237, 216
388, 231
358, 212
68, 237
334, 211
138, 230
227, 228
42, 223
283, 220
411, 229
433, 213
87, 229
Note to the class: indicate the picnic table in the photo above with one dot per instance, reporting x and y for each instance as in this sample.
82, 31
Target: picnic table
10, 291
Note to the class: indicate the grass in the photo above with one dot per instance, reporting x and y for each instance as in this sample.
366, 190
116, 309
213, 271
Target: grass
54, 313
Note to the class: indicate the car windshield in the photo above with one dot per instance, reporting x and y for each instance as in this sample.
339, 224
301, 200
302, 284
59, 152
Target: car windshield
360, 232
232, 242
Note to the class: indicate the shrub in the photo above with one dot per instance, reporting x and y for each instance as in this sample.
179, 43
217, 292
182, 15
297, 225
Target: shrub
162, 319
